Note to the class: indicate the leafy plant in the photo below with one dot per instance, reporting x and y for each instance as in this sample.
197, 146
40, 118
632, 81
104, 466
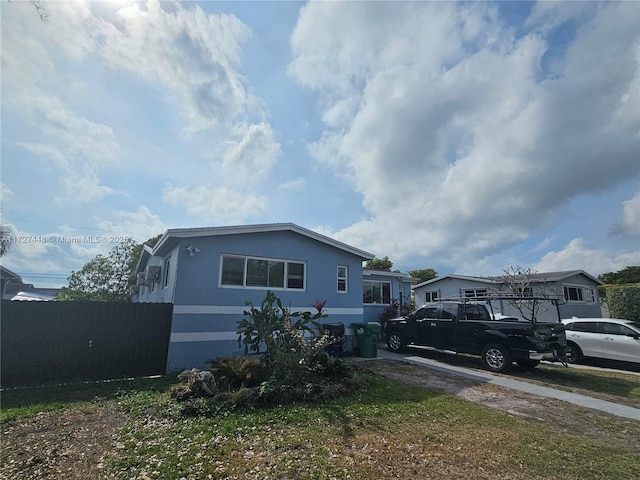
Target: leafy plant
389, 312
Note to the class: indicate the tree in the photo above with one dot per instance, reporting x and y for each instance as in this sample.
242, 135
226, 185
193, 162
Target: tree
423, 275
105, 278
7, 239
622, 277
381, 264
531, 295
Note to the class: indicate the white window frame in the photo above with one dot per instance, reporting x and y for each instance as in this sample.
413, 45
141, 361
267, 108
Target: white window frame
286, 276
474, 292
344, 278
584, 293
431, 295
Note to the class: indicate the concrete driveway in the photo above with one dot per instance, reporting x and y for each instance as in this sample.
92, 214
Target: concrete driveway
506, 382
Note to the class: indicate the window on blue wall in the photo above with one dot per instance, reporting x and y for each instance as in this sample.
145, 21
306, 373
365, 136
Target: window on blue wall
376, 292
262, 272
342, 278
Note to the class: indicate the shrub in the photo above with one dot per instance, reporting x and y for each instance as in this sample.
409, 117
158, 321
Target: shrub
624, 301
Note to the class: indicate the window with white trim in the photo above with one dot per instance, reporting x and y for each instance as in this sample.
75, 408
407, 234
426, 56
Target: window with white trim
342, 278
579, 294
431, 296
474, 292
376, 292
256, 272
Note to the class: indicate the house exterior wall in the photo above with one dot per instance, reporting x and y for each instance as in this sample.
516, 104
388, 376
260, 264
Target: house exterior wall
589, 306
448, 287
206, 313
400, 289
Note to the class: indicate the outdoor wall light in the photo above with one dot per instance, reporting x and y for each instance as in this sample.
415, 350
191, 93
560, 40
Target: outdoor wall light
192, 249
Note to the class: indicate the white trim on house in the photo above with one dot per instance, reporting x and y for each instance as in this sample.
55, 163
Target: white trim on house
239, 310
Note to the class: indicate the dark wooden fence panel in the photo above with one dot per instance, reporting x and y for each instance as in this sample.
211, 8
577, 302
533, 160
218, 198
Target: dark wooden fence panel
44, 342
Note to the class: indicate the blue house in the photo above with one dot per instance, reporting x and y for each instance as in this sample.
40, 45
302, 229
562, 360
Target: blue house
209, 273
379, 288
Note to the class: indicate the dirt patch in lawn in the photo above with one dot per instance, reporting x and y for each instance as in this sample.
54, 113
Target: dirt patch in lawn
72, 444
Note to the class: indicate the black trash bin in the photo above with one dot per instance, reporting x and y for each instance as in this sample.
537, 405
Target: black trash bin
336, 332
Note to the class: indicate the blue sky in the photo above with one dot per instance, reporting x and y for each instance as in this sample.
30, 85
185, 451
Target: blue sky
465, 137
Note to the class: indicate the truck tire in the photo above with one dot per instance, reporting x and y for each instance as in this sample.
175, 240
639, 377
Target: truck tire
396, 342
496, 358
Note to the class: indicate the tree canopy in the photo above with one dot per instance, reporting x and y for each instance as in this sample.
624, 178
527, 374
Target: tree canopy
423, 275
106, 278
382, 264
622, 277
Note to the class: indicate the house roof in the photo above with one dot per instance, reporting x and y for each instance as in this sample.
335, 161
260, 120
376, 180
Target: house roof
172, 236
539, 277
457, 277
6, 273
405, 277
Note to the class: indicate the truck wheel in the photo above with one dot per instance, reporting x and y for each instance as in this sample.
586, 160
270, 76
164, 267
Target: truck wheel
396, 342
573, 354
496, 358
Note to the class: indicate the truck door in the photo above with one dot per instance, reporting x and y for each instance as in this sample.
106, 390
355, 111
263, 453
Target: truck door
472, 323
437, 328
424, 318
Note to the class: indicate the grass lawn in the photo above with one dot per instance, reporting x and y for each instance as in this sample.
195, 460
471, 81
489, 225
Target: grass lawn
387, 430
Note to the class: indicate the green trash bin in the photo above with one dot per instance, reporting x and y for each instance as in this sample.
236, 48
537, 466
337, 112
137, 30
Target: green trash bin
367, 335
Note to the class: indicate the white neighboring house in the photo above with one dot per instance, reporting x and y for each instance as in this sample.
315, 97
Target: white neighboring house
578, 288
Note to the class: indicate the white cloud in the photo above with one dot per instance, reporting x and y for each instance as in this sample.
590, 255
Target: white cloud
192, 53
253, 155
296, 184
140, 224
448, 126
576, 255
219, 205
631, 216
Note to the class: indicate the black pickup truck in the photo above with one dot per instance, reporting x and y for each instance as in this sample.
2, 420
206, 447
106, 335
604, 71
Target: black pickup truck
469, 327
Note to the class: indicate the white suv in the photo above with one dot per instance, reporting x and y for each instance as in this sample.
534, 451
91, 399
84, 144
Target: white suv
608, 338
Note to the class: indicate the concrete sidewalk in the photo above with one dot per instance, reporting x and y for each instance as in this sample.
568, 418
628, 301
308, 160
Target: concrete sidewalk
506, 382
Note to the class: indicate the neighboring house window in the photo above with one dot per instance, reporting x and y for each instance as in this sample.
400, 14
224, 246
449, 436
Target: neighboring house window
342, 278
431, 296
579, 294
262, 272
474, 292
376, 292
165, 272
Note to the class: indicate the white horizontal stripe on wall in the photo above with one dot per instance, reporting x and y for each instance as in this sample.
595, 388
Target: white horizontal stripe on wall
214, 336
237, 310
203, 336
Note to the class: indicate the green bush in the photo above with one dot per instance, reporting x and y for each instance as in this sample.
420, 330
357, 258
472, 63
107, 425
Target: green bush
294, 366
623, 301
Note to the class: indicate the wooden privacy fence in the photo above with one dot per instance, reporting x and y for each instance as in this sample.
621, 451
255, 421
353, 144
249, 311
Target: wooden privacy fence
44, 342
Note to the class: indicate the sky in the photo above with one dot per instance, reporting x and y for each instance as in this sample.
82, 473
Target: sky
465, 137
